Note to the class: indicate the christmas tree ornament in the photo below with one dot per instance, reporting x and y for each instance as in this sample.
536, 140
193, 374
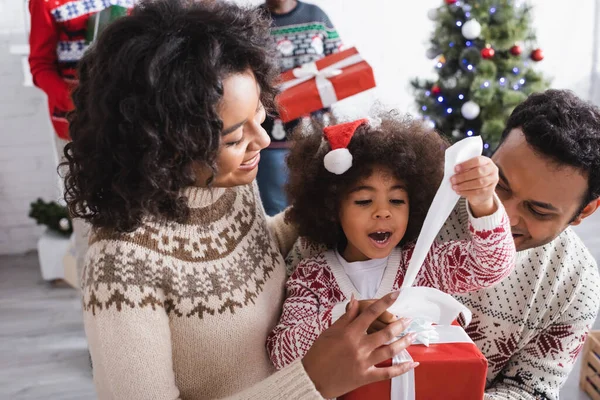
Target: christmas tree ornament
516, 50
433, 14
451, 2
488, 52
432, 53
442, 59
339, 159
537, 55
470, 110
64, 224
436, 90
471, 29
278, 131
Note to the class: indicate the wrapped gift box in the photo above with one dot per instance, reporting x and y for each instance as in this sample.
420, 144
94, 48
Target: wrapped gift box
99, 21
320, 84
452, 369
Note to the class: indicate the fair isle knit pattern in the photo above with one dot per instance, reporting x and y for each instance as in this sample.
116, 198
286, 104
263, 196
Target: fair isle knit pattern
532, 326
303, 35
171, 309
319, 289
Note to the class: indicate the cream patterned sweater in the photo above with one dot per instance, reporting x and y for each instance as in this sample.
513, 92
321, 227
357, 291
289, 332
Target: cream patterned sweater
182, 311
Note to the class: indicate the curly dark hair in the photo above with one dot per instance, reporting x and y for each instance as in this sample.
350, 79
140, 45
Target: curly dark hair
412, 152
147, 106
559, 125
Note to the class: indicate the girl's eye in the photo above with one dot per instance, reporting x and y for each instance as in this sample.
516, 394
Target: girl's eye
397, 202
362, 202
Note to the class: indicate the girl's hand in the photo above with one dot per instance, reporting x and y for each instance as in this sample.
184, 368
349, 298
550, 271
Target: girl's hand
476, 180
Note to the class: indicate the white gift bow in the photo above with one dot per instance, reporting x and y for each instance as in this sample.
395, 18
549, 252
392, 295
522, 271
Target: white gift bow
427, 306
326, 90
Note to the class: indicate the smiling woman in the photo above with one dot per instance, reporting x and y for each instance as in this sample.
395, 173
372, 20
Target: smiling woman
184, 274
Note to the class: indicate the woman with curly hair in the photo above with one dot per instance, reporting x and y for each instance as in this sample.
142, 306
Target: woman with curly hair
363, 192
184, 276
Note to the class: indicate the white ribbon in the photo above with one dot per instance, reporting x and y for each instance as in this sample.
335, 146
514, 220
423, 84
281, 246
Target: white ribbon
443, 203
427, 306
403, 386
326, 90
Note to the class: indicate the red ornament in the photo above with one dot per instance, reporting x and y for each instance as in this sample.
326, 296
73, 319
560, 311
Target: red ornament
488, 53
537, 55
516, 50
436, 90
450, 2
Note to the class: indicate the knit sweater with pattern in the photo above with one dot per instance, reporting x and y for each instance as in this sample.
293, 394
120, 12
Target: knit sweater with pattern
182, 310
533, 324
57, 42
319, 288
303, 35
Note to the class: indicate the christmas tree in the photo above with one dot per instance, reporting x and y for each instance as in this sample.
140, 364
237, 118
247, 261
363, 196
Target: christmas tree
53, 215
484, 52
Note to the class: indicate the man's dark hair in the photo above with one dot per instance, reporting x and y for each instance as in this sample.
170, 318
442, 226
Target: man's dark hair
147, 106
564, 128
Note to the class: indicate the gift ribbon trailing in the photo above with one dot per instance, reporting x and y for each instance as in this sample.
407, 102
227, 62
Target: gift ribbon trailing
310, 70
428, 306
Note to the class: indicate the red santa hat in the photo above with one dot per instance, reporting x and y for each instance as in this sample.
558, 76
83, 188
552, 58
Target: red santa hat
339, 159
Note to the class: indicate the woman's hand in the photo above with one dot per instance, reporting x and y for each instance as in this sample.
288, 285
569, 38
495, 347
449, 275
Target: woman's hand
343, 358
476, 180
381, 322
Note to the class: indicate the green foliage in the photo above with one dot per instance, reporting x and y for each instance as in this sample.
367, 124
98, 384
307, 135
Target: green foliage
497, 84
53, 215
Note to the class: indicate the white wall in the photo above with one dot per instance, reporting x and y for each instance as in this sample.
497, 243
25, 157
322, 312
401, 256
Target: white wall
391, 34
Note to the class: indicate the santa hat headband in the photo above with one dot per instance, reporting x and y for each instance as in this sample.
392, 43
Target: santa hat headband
339, 159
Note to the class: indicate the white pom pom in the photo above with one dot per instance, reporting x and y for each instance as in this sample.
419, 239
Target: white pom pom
338, 161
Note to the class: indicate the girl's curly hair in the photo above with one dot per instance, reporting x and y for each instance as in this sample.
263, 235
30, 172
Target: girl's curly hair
412, 152
147, 106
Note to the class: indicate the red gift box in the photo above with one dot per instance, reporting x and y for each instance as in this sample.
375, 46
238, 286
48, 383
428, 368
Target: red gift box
320, 84
447, 371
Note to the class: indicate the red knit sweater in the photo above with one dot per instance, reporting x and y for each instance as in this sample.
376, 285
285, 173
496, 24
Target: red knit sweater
57, 42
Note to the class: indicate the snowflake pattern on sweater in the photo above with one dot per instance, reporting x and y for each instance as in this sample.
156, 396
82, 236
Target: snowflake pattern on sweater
531, 326
318, 289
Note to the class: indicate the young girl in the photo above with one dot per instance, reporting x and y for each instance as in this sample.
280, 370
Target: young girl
367, 206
